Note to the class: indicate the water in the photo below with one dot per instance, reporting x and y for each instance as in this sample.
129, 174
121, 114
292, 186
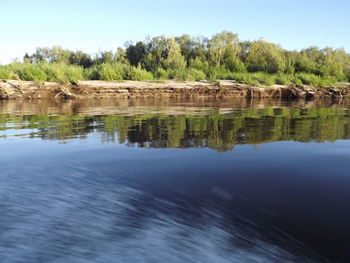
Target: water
178, 181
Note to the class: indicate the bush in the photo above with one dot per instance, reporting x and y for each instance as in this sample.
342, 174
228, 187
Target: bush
237, 76
62, 73
219, 73
282, 79
74, 74
327, 81
110, 72
309, 79
297, 81
200, 64
162, 74
137, 73
317, 81
54, 73
195, 74
30, 72
190, 74
242, 77
177, 74
92, 73
264, 78
5, 73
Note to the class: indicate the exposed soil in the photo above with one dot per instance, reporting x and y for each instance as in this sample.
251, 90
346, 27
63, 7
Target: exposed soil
14, 89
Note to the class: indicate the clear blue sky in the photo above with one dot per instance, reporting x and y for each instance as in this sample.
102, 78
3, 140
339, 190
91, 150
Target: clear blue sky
92, 25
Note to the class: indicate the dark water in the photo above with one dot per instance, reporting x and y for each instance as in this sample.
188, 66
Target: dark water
121, 181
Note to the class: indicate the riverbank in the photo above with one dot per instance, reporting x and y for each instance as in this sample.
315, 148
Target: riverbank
15, 89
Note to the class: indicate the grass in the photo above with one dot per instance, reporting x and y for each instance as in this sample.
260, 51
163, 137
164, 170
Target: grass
63, 73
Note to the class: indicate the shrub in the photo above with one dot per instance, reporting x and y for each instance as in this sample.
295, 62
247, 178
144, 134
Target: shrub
219, 73
74, 74
282, 79
297, 81
195, 74
54, 73
110, 72
137, 73
92, 73
178, 74
309, 79
162, 74
200, 64
5, 73
30, 72
242, 77
62, 73
237, 76
264, 78
191, 74
327, 81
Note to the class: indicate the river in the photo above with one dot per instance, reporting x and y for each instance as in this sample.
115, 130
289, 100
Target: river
174, 181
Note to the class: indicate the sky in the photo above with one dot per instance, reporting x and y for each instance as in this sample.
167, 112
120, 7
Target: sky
95, 25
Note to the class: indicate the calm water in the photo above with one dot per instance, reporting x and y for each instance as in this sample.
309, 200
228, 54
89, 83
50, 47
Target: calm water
180, 181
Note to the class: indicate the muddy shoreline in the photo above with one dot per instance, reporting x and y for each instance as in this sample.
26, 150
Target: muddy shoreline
14, 89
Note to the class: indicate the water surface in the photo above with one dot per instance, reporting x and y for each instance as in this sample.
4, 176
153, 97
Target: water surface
174, 181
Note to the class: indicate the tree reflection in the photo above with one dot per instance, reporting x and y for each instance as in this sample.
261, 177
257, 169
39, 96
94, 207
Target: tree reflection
213, 130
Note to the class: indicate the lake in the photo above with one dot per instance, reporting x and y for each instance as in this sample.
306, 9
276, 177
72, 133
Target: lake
174, 181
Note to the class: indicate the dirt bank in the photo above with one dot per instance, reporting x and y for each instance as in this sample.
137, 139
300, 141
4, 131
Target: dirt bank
13, 89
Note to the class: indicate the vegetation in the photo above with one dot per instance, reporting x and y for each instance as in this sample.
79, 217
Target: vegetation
187, 58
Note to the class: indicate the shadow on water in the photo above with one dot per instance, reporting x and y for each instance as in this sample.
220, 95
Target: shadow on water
118, 187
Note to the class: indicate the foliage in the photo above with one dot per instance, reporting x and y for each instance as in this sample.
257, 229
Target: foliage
265, 56
174, 59
282, 79
5, 73
264, 78
243, 78
109, 72
27, 71
137, 73
189, 74
62, 73
162, 74
184, 57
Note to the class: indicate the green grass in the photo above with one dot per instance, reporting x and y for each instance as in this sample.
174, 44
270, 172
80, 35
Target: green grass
190, 74
63, 73
5, 73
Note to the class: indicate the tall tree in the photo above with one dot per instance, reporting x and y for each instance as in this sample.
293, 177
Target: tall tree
175, 60
223, 45
265, 56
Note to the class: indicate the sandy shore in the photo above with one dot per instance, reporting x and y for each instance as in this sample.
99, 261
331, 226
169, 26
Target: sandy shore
14, 89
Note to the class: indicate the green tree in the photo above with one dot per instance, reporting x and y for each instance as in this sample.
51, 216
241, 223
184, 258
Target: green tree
156, 52
136, 53
223, 47
80, 58
192, 48
120, 56
265, 56
174, 60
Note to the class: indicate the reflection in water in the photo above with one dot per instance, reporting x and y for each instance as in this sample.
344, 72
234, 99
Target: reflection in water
89, 201
181, 127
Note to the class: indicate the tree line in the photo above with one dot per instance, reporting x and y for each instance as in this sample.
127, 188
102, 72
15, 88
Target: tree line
184, 57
